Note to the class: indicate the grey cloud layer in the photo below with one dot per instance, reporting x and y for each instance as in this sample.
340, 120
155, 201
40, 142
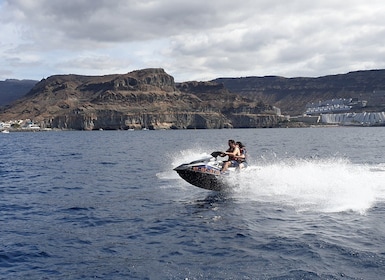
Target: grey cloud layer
217, 38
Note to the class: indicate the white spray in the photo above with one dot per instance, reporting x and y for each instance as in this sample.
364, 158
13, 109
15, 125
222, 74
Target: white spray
322, 185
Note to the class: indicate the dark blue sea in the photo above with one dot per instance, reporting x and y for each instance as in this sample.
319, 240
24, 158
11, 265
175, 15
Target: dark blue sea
107, 205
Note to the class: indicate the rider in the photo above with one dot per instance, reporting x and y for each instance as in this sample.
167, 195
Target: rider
233, 152
242, 158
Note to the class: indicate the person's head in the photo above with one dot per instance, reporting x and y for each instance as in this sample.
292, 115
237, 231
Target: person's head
231, 143
240, 145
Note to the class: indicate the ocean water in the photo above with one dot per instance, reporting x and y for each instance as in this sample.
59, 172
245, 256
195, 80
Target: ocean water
107, 205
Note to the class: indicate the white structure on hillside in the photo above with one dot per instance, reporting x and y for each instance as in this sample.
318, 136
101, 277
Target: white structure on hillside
4, 125
334, 106
364, 118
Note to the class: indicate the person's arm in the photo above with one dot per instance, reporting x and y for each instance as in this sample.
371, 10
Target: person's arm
234, 153
240, 156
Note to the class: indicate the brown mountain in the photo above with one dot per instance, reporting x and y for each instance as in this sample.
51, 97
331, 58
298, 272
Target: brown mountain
150, 98
145, 98
292, 94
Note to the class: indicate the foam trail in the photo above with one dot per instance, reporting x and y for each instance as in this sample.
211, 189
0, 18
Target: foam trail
323, 185
331, 185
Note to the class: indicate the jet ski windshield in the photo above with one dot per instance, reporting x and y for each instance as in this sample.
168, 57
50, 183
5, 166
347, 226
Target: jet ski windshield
201, 160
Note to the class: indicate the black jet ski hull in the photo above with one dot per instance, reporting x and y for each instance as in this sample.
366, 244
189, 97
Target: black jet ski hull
202, 176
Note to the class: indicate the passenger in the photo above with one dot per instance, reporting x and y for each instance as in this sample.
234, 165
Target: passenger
233, 153
242, 158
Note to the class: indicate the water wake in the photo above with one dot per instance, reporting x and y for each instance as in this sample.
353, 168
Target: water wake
324, 185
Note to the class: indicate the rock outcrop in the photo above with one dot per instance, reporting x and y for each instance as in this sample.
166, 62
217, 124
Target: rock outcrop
146, 98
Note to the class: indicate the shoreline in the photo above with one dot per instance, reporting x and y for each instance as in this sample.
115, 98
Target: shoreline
5, 131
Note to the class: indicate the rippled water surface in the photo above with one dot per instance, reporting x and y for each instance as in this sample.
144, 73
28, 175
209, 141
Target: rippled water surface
107, 204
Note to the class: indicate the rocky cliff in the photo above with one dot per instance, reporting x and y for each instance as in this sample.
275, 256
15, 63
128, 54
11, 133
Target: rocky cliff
151, 98
146, 98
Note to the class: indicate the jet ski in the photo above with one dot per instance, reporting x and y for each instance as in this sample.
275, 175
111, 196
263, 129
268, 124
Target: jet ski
205, 173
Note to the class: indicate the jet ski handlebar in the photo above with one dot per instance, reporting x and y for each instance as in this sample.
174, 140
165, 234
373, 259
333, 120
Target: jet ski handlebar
217, 154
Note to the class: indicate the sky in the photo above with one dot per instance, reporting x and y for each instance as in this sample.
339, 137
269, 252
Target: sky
195, 40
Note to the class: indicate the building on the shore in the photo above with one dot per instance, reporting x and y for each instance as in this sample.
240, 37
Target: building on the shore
342, 111
334, 106
360, 119
19, 124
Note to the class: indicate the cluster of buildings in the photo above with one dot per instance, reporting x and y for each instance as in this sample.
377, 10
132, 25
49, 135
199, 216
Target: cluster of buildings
334, 106
363, 118
19, 125
342, 111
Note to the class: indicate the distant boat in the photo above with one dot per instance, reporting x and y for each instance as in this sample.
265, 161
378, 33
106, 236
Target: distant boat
5, 131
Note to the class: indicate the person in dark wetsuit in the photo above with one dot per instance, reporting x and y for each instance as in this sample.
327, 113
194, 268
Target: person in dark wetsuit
232, 152
242, 158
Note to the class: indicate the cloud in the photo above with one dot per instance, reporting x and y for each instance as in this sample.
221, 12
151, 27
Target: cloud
117, 20
191, 39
